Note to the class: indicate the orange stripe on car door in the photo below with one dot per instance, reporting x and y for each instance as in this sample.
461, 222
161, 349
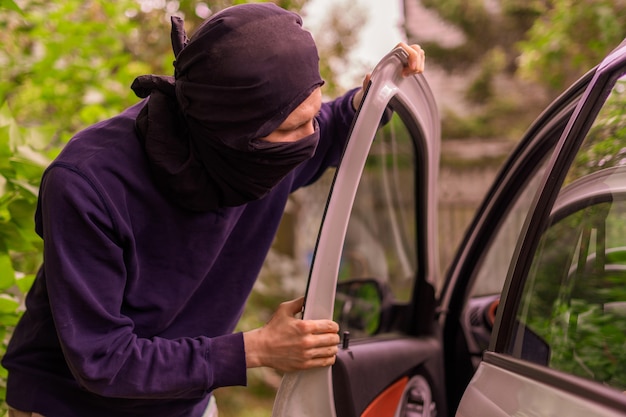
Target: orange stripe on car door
386, 403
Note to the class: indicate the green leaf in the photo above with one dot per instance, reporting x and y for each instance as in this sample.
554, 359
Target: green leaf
8, 304
11, 318
3, 185
13, 238
25, 282
10, 5
22, 212
25, 187
7, 274
5, 149
6, 117
27, 153
12, 136
28, 164
38, 137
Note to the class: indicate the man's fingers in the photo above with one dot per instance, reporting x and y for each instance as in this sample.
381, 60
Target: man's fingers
323, 352
415, 61
420, 57
292, 307
316, 363
319, 357
319, 326
321, 341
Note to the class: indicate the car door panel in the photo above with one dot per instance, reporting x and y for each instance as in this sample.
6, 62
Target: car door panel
387, 401
490, 394
357, 387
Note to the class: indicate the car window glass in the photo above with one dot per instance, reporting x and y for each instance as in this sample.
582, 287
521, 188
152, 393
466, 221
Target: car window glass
572, 315
605, 144
379, 252
492, 270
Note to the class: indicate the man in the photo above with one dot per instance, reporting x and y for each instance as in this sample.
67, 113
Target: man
156, 223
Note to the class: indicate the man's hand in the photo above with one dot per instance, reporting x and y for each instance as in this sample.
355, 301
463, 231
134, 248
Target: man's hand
287, 343
415, 65
416, 60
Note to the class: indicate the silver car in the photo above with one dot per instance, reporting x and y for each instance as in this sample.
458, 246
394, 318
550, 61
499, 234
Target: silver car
529, 319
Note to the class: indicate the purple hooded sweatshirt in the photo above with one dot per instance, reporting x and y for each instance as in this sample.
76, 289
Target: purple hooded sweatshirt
133, 309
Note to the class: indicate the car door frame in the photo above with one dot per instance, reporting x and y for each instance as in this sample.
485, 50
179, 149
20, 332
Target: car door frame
311, 392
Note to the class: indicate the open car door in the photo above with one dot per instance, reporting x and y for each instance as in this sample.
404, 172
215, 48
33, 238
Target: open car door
375, 265
558, 338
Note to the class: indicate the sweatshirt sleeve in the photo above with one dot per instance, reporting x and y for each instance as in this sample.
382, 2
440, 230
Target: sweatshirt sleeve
85, 278
335, 120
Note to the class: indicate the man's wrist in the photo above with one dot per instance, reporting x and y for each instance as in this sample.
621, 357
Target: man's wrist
356, 99
251, 348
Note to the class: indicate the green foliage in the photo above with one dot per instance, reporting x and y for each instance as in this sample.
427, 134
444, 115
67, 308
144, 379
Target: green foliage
20, 247
569, 38
589, 342
73, 62
605, 143
10, 5
486, 29
68, 61
540, 47
487, 59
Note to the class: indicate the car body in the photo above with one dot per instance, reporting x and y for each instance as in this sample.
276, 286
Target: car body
529, 318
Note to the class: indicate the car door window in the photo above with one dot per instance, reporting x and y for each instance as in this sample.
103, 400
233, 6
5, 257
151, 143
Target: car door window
380, 244
506, 223
493, 268
380, 240
572, 314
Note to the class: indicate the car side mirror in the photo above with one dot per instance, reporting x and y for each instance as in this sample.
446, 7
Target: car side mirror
360, 306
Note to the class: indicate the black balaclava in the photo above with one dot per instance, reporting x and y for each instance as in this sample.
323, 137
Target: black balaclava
236, 80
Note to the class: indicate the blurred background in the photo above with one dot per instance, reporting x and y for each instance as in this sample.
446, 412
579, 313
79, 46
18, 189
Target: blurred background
493, 66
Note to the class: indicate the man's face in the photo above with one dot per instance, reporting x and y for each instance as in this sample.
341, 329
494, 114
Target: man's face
299, 124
